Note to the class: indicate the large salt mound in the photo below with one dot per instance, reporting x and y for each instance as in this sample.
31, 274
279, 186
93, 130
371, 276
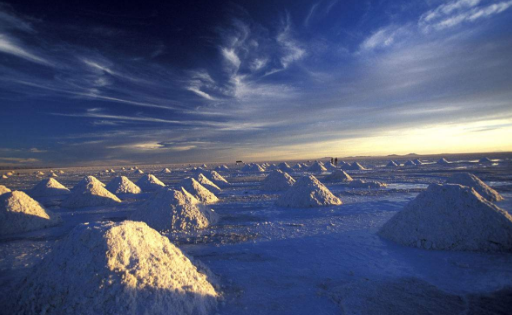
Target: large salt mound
85, 182
174, 210
4, 190
285, 167
451, 217
470, 180
317, 167
20, 213
208, 184
116, 268
92, 194
358, 183
338, 176
199, 191
308, 192
149, 183
122, 185
277, 180
48, 187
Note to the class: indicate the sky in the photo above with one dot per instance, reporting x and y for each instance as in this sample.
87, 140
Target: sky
116, 82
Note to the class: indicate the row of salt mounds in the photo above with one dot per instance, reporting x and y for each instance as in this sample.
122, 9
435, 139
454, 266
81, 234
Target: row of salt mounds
208, 184
4, 190
470, 180
47, 188
285, 167
222, 168
199, 191
308, 192
216, 178
338, 176
255, 168
354, 167
358, 183
277, 180
20, 213
90, 192
116, 268
165, 171
122, 185
149, 183
174, 210
317, 167
451, 217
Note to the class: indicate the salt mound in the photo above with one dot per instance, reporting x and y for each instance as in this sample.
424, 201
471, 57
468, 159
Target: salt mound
116, 268
165, 171
451, 217
9, 174
485, 160
366, 184
4, 177
252, 168
329, 166
277, 180
470, 180
199, 191
208, 184
297, 166
317, 167
90, 194
217, 179
221, 168
122, 185
149, 183
174, 210
443, 161
271, 167
285, 167
39, 173
418, 162
20, 213
410, 163
138, 172
338, 176
204, 166
48, 187
356, 167
61, 172
308, 192
4, 190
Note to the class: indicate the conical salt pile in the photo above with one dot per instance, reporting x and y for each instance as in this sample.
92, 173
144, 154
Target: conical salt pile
308, 192
410, 163
485, 160
285, 167
297, 166
217, 179
4, 190
356, 167
271, 167
199, 191
329, 166
174, 210
277, 180
470, 180
208, 184
122, 185
338, 176
138, 172
443, 161
5, 177
19, 213
149, 183
418, 162
317, 167
222, 168
48, 187
165, 171
9, 174
451, 217
255, 168
115, 268
358, 183
90, 193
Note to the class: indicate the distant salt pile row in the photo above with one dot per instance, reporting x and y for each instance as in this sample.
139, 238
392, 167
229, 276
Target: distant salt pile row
176, 210
277, 180
451, 217
20, 213
115, 268
254, 168
222, 168
90, 192
308, 192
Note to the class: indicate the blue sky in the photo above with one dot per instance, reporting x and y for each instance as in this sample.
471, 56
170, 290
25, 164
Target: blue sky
204, 81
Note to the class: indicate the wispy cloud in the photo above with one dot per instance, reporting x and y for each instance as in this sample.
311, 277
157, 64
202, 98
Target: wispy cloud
11, 47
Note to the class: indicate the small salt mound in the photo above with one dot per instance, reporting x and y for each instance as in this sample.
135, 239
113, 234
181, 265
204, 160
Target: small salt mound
4, 190
297, 166
470, 180
116, 268
19, 213
255, 168
308, 192
418, 162
271, 167
392, 164
4, 177
40, 173
338, 176
217, 179
204, 166
106, 171
222, 168
165, 171
138, 172
410, 163
92, 194
61, 172
174, 210
451, 217
329, 166
112, 170
485, 160
149, 183
356, 167
277, 180
208, 184
199, 191
86, 181
9, 174
443, 161
285, 167
317, 167
48, 187
122, 185
366, 184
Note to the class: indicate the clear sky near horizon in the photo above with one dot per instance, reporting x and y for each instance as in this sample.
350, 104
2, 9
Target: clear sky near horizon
98, 82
